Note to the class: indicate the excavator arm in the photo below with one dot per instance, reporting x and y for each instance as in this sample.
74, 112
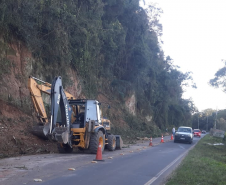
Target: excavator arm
36, 90
36, 97
37, 87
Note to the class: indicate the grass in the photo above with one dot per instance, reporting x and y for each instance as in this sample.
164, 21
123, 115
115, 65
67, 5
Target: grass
204, 165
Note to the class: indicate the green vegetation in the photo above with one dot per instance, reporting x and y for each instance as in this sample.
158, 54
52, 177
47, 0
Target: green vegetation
208, 118
205, 164
219, 80
114, 47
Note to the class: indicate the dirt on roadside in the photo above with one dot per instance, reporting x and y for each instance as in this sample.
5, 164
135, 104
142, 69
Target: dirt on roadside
15, 134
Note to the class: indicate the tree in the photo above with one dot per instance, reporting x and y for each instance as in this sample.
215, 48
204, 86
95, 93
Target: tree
113, 45
219, 81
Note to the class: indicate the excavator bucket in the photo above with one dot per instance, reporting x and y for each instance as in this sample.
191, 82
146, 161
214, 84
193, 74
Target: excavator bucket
61, 112
38, 130
46, 129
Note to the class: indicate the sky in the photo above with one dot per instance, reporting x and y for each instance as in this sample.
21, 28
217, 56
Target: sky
194, 36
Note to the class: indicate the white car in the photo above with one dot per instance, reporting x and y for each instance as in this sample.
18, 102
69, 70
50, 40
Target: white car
184, 134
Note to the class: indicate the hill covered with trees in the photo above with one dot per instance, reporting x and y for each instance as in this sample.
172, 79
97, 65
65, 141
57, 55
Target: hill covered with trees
114, 48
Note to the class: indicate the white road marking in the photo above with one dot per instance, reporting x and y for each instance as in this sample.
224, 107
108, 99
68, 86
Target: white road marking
167, 167
181, 147
164, 169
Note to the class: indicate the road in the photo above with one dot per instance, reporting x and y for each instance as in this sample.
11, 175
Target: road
135, 165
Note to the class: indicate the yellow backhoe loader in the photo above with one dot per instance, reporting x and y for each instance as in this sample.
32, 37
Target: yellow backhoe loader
74, 122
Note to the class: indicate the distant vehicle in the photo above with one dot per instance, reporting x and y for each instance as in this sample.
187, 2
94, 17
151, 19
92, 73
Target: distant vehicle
184, 134
197, 133
203, 131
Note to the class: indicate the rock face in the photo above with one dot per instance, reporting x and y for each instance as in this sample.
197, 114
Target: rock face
16, 63
75, 88
148, 118
131, 104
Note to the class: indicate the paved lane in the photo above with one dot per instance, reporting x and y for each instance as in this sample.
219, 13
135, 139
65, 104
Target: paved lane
149, 166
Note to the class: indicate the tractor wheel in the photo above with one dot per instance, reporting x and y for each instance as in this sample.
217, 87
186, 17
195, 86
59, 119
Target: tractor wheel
62, 148
119, 142
111, 143
95, 139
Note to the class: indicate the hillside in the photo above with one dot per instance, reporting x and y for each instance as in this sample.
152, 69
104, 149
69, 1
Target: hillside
107, 50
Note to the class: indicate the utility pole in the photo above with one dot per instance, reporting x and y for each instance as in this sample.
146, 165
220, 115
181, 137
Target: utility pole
198, 120
216, 121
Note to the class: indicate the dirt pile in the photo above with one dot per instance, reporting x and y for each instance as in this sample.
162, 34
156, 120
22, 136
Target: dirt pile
15, 134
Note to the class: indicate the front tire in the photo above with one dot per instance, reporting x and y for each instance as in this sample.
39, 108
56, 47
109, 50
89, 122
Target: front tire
95, 139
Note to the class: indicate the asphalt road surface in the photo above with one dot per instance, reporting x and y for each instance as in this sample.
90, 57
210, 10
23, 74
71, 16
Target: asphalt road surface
136, 165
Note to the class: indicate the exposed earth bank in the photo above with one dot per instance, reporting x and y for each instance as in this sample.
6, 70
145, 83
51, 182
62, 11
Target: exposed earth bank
15, 134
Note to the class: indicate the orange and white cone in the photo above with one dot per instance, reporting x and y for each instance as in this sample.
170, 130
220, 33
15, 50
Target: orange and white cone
99, 154
162, 140
150, 144
172, 137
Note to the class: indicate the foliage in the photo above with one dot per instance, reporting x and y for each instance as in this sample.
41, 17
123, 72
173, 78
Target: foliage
219, 80
205, 164
103, 40
208, 118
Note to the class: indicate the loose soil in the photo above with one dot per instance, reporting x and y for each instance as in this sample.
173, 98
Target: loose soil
15, 134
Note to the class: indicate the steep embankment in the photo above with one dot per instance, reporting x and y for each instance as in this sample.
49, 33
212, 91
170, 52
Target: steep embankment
107, 50
17, 115
16, 112
15, 136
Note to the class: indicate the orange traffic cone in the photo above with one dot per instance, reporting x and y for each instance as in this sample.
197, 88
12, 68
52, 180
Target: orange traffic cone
150, 144
162, 141
99, 154
172, 137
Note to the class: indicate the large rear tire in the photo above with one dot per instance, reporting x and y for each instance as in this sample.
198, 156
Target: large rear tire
111, 143
95, 139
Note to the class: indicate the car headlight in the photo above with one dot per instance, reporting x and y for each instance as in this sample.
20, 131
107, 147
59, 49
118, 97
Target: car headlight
176, 134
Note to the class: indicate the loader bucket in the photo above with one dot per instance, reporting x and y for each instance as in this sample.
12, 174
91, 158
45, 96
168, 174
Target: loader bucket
46, 129
60, 104
38, 131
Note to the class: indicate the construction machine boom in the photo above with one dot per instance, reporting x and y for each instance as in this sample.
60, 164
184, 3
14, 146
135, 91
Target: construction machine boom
37, 87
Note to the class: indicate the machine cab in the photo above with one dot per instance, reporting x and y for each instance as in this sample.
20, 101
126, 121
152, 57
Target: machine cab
92, 111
